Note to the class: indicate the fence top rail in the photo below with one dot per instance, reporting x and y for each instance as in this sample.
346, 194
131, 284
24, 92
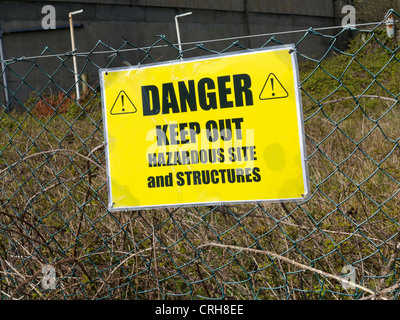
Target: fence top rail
269, 34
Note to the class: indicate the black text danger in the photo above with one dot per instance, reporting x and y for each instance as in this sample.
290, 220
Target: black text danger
206, 94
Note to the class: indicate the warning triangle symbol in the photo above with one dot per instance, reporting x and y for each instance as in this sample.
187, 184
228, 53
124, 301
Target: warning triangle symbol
273, 89
123, 105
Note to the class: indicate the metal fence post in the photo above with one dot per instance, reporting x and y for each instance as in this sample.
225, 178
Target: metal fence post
3, 71
71, 26
390, 29
177, 31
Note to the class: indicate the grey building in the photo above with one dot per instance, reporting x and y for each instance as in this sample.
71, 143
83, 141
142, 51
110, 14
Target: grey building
139, 22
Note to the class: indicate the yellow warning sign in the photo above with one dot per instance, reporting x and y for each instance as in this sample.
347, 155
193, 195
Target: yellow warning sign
220, 129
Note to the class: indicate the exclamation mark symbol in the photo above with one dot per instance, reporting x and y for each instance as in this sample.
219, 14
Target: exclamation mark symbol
273, 89
272, 86
123, 104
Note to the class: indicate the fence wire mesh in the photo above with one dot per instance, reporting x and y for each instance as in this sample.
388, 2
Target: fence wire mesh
53, 187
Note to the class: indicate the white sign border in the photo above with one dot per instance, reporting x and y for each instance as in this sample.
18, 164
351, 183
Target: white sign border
292, 50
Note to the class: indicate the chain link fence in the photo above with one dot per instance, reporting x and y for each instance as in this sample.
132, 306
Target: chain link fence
59, 241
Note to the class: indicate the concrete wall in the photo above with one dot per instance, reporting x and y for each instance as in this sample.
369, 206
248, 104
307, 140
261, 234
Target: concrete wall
138, 21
